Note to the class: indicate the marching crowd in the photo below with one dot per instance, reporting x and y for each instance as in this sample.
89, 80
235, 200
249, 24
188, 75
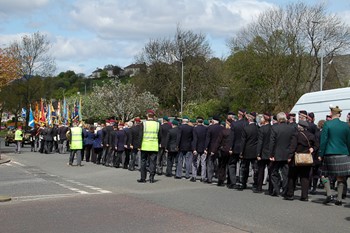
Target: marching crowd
225, 151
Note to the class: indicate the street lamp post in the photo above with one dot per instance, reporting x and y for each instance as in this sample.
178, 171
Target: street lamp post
182, 87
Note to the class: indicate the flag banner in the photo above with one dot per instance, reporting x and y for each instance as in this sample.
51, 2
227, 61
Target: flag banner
48, 116
42, 112
79, 111
65, 113
24, 113
31, 118
36, 113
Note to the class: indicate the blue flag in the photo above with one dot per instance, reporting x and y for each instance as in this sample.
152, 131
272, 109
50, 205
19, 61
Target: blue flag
31, 118
24, 112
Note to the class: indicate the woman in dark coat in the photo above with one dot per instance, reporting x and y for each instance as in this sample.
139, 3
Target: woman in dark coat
302, 142
89, 136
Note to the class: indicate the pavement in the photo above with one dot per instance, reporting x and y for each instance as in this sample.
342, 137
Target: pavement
4, 159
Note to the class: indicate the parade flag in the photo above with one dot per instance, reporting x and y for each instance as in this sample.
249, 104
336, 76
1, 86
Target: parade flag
49, 114
31, 118
24, 113
36, 113
65, 114
42, 112
59, 111
75, 112
79, 111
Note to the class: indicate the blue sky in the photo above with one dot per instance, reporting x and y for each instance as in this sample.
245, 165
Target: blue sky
86, 34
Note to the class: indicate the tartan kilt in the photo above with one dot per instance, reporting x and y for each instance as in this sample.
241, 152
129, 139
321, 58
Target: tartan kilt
336, 165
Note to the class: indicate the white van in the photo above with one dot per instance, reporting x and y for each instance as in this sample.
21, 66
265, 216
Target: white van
319, 102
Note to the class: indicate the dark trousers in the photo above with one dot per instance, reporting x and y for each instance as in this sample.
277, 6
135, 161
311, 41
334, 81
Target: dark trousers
107, 151
132, 160
211, 166
244, 171
126, 158
47, 147
232, 168
117, 157
304, 173
88, 152
170, 162
277, 177
97, 155
71, 157
150, 156
161, 158
222, 165
262, 164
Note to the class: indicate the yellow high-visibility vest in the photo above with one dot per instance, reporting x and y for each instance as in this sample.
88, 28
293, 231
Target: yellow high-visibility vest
76, 138
18, 135
150, 136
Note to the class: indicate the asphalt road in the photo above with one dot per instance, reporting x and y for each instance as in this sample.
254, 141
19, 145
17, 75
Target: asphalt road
49, 196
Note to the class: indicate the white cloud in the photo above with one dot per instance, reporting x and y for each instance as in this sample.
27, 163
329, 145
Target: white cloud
132, 19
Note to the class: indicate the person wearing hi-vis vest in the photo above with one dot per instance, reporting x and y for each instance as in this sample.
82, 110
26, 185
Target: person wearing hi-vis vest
18, 139
149, 147
76, 143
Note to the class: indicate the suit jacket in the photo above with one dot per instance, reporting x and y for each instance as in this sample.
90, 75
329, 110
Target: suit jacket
171, 141
264, 135
185, 137
199, 135
224, 141
128, 135
98, 139
107, 134
335, 138
211, 141
281, 136
136, 134
119, 140
164, 129
62, 131
237, 128
250, 141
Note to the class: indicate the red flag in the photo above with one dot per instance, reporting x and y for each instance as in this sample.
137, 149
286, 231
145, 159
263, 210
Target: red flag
42, 112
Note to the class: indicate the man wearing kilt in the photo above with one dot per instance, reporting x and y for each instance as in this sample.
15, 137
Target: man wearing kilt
334, 150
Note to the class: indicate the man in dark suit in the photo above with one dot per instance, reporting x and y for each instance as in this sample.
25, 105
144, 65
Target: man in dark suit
107, 142
185, 148
249, 151
237, 128
281, 136
311, 120
198, 147
171, 147
136, 134
161, 157
264, 135
211, 145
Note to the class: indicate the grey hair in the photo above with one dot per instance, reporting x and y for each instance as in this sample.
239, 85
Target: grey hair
281, 117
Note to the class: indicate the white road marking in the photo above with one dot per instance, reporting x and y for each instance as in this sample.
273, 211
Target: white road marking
17, 163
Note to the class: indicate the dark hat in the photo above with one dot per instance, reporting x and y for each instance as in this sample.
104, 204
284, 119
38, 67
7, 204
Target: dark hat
175, 122
150, 111
121, 124
206, 122
193, 120
292, 114
253, 114
267, 114
349, 114
199, 118
242, 111
166, 118
231, 113
311, 115
216, 118
137, 119
223, 123
303, 112
335, 109
303, 123
185, 118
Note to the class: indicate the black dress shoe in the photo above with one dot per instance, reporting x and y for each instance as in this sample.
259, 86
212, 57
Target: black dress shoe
288, 198
168, 175
313, 192
220, 183
257, 190
178, 178
151, 180
343, 196
304, 199
141, 181
193, 179
339, 203
328, 200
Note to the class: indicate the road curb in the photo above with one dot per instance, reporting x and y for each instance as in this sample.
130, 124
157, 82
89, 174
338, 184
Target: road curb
5, 198
4, 159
